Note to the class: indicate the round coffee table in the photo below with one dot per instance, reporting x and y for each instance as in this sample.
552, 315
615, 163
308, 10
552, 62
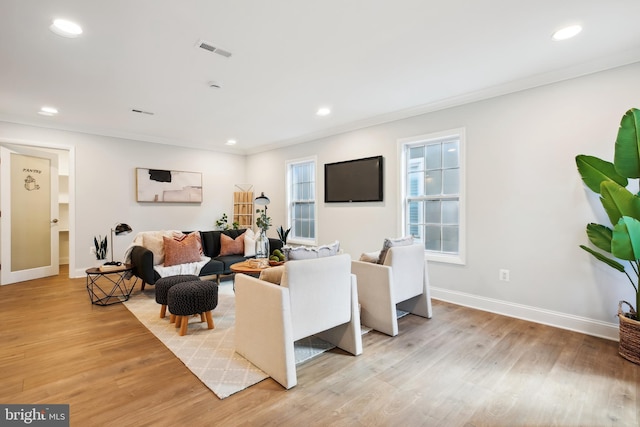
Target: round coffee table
251, 267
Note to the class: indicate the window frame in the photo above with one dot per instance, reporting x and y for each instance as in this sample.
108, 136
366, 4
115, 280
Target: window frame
403, 144
288, 169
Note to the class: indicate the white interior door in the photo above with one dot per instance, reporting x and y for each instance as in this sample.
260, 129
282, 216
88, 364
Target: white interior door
29, 214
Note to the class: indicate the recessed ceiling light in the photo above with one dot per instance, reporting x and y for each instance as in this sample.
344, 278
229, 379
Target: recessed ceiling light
323, 111
48, 111
231, 142
567, 32
65, 28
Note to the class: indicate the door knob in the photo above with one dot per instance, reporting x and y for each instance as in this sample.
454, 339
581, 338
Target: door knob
54, 221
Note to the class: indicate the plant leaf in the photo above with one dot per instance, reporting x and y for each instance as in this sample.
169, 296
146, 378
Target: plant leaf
618, 202
627, 151
594, 171
600, 236
610, 262
626, 239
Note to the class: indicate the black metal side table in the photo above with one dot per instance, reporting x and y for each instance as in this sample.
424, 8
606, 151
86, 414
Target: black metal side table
110, 286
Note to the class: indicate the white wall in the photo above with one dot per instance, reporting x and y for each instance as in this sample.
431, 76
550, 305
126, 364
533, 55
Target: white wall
526, 206
105, 186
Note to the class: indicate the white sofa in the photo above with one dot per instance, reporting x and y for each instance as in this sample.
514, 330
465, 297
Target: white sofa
402, 282
315, 297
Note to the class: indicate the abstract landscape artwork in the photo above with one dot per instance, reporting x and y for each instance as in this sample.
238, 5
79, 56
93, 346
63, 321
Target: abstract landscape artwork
167, 186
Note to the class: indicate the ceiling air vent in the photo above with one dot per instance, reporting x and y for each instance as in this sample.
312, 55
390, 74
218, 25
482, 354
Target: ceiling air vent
208, 46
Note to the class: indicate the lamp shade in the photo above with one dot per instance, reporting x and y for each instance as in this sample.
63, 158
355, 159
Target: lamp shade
262, 200
122, 228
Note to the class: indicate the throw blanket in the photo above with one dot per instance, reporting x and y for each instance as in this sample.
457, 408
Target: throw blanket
188, 268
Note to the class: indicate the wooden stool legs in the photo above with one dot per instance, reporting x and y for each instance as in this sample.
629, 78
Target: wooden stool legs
210, 324
182, 322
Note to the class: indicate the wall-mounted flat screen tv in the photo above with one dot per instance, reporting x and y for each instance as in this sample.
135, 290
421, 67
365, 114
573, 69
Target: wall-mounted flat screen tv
357, 180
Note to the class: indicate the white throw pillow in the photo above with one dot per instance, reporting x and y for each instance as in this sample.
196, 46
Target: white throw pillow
249, 243
370, 257
153, 240
307, 252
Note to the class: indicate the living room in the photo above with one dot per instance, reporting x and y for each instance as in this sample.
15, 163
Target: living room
526, 207
564, 287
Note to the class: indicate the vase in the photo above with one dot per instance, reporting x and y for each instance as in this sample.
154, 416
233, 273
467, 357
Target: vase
262, 245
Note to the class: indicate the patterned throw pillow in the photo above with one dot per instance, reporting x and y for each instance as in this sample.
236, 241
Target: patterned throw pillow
231, 246
389, 243
181, 250
306, 252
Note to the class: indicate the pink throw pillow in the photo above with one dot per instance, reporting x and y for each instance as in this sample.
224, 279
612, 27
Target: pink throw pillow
181, 251
178, 235
231, 246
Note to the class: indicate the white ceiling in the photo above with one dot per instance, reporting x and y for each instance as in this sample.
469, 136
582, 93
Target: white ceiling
369, 60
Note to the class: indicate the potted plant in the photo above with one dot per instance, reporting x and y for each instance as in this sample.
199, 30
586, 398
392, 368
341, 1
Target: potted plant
223, 223
283, 234
100, 247
622, 238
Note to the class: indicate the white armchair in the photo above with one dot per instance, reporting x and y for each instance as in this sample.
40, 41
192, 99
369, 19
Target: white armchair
315, 297
402, 282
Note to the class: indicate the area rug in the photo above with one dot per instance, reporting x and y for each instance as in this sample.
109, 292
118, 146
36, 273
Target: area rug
210, 354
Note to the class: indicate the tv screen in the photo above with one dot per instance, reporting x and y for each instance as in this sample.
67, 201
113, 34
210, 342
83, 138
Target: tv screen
357, 180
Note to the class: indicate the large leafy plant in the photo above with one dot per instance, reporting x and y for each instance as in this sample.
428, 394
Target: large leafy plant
610, 180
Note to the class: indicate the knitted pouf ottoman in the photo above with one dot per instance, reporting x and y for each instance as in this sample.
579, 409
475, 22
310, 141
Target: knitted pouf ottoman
164, 284
189, 298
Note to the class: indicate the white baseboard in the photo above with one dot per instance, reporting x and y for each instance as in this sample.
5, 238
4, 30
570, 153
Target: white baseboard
546, 317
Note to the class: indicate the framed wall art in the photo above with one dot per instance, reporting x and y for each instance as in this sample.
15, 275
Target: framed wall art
167, 186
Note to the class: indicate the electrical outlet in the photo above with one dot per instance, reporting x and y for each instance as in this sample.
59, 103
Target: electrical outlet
504, 275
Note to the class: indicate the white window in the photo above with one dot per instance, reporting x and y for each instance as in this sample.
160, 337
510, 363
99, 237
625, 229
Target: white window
301, 189
433, 193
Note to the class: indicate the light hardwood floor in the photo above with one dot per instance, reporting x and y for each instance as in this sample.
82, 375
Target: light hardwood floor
462, 368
